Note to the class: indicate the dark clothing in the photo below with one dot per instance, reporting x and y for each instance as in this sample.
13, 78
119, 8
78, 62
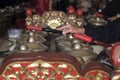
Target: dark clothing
111, 32
62, 5
112, 8
108, 34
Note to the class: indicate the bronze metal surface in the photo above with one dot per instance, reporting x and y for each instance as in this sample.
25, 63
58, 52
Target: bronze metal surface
96, 21
31, 47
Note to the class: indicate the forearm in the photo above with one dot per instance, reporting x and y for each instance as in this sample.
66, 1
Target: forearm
95, 33
107, 34
81, 30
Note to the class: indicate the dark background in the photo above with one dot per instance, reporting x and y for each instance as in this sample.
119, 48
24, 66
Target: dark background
4, 3
112, 8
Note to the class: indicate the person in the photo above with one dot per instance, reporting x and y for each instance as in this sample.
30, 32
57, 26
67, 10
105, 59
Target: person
112, 8
107, 34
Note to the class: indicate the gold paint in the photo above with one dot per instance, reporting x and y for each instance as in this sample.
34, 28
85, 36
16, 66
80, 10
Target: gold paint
44, 70
16, 65
54, 19
116, 77
35, 64
72, 18
62, 66
80, 22
28, 20
98, 76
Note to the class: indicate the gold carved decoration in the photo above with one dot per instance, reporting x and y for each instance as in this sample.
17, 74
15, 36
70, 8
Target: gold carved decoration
54, 19
45, 70
97, 75
40, 70
116, 75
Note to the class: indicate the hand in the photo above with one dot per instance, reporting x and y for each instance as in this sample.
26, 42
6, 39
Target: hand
71, 29
110, 47
115, 54
114, 17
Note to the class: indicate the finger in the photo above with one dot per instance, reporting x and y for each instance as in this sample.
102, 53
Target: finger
63, 27
66, 31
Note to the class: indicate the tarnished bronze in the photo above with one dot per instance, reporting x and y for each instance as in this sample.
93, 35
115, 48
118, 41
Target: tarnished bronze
85, 53
63, 43
31, 42
6, 44
31, 47
32, 37
76, 48
95, 21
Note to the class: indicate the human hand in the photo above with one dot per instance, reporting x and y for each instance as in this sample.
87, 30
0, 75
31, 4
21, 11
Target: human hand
71, 29
112, 45
114, 17
115, 54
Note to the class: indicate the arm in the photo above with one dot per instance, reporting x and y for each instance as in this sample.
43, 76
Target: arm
108, 34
